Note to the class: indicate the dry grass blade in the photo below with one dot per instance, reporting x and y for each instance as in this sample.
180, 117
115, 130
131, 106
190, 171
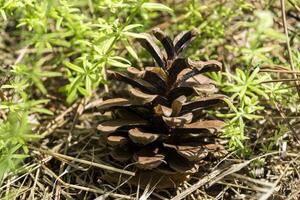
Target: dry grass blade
257, 189
58, 121
286, 121
194, 187
91, 163
282, 3
212, 178
34, 184
294, 194
234, 168
217, 175
256, 181
99, 191
266, 196
33, 168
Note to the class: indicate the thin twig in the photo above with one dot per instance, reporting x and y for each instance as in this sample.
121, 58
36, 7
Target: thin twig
281, 80
286, 121
282, 3
294, 5
279, 71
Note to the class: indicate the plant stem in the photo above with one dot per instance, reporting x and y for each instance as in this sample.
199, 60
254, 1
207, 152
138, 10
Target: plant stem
282, 3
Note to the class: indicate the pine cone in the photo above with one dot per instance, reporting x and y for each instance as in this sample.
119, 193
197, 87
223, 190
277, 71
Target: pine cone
162, 127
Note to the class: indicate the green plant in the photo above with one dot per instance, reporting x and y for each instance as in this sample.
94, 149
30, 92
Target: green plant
276, 141
245, 83
18, 116
15, 132
245, 88
93, 39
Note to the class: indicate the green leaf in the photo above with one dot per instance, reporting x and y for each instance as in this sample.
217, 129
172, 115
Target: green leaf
132, 26
253, 74
83, 91
71, 96
3, 15
72, 88
38, 102
32, 136
88, 85
130, 50
107, 44
74, 67
39, 84
19, 156
231, 106
134, 35
156, 7
42, 110
50, 74
115, 61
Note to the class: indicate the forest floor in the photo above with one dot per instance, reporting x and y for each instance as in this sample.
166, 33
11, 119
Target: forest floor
49, 143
